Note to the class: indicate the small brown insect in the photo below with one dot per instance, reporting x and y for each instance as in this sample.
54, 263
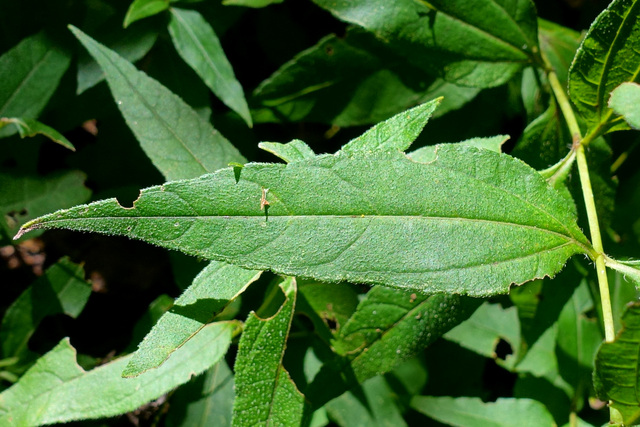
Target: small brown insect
263, 199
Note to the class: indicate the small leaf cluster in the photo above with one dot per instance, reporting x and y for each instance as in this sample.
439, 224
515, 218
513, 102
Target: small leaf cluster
346, 213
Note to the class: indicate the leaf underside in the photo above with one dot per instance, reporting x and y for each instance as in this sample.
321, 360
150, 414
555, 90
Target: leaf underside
471, 221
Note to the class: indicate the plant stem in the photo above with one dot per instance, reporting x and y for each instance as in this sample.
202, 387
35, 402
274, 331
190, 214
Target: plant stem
587, 193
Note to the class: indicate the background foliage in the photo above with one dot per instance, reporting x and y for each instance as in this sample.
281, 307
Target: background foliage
99, 99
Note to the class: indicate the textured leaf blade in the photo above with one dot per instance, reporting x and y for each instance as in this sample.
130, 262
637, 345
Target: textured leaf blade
63, 283
379, 218
55, 390
396, 133
608, 56
265, 394
29, 74
212, 290
178, 141
198, 45
289, 152
29, 128
391, 326
473, 412
480, 43
616, 376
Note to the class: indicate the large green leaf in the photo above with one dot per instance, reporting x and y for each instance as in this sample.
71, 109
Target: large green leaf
212, 290
470, 221
29, 74
58, 390
348, 81
23, 197
390, 326
617, 364
199, 46
473, 412
609, 56
62, 289
178, 141
625, 100
265, 394
480, 43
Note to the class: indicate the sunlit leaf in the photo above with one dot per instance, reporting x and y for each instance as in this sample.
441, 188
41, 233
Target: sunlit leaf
55, 389
141, 9
625, 100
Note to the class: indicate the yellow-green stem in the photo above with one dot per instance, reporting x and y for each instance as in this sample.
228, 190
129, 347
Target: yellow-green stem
596, 241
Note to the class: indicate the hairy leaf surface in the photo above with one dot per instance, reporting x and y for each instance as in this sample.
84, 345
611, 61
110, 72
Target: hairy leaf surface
609, 56
625, 100
55, 389
178, 141
471, 221
480, 43
265, 394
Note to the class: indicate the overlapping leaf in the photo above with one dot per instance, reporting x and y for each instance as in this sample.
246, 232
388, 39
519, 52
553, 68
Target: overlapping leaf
212, 290
179, 142
480, 43
265, 394
625, 100
29, 127
609, 56
29, 74
56, 389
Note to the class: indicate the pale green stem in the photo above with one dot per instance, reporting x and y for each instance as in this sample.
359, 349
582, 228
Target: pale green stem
565, 106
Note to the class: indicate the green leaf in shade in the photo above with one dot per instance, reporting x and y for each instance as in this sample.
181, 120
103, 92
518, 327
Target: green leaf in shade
391, 326
212, 290
204, 401
132, 45
371, 404
578, 338
250, 3
544, 141
473, 412
289, 152
30, 128
609, 56
29, 74
481, 43
179, 142
141, 9
559, 45
265, 393
617, 366
198, 45
489, 325
23, 197
625, 100
56, 389
378, 218
156, 310
61, 289
394, 134
332, 303
332, 81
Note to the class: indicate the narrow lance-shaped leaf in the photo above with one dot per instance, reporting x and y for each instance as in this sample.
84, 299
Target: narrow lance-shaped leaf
28, 128
616, 377
473, 412
609, 56
212, 290
470, 221
265, 394
140, 9
480, 43
56, 388
29, 74
178, 141
199, 46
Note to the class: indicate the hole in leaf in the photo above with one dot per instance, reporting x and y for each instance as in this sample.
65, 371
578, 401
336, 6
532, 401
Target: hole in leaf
503, 349
128, 197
